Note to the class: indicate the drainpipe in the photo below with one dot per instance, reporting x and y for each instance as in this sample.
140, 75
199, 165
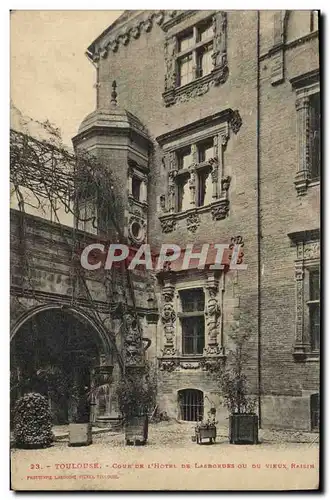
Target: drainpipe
258, 218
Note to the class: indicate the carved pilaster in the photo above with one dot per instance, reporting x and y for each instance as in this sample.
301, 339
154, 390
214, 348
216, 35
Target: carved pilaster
301, 346
168, 318
303, 174
133, 348
170, 51
212, 314
219, 56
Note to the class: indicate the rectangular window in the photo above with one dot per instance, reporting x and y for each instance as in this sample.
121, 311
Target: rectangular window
314, 309
195, 48
136, 188
192, 321
315, 128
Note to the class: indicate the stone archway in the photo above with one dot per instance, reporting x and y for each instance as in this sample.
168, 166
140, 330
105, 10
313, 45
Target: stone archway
58, 351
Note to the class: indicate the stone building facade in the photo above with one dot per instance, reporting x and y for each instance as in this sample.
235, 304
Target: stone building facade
210, 124
230, 104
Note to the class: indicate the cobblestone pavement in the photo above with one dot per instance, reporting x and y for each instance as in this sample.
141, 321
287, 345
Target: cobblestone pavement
171, 460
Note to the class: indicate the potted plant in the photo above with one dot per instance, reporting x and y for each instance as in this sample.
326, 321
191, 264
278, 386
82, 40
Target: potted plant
243, 420
206, 429
136, 395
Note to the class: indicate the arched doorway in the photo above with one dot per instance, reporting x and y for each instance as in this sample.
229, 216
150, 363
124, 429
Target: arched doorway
56, 351
191, 405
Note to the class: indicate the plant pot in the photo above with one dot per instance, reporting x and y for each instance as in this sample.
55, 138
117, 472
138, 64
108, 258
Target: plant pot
243, 428
209, 433
80, 434
136, 430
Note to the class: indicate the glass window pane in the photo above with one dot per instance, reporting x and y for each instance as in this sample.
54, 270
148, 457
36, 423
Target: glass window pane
205, 30
204, 61
314, 285
184, 158
186, 41
192, 300
185, 70
315, 326
203, 177
205, 151
183, 199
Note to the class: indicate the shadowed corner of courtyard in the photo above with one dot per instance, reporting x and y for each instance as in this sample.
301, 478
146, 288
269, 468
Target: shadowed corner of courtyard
176, 434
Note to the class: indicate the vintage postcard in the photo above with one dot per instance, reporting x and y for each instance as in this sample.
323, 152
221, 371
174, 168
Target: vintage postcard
165, 250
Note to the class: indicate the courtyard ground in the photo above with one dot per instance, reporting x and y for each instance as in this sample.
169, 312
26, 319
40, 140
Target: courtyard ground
171, 460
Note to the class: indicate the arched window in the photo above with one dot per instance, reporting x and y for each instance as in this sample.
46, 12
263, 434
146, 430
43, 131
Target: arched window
315, 411
191, 403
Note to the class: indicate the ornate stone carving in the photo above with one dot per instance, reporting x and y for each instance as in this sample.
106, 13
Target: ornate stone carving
169, 350
212, 315
312, 250
134, 31
235, 121
190, 365
192, 187
193, 222
170, 49
225, 183
220, 209
132, 340
162, 202
167, 365
168, 318
303, 175
168, 225
200, 86
147, 25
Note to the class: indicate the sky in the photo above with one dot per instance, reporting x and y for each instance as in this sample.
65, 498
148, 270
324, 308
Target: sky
51, 77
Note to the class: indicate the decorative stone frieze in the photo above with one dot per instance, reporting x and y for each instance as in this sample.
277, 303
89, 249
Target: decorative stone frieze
132, 32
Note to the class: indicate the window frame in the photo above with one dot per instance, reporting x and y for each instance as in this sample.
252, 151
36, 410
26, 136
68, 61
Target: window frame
313, 304
192, 50
306, 87
195, 313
